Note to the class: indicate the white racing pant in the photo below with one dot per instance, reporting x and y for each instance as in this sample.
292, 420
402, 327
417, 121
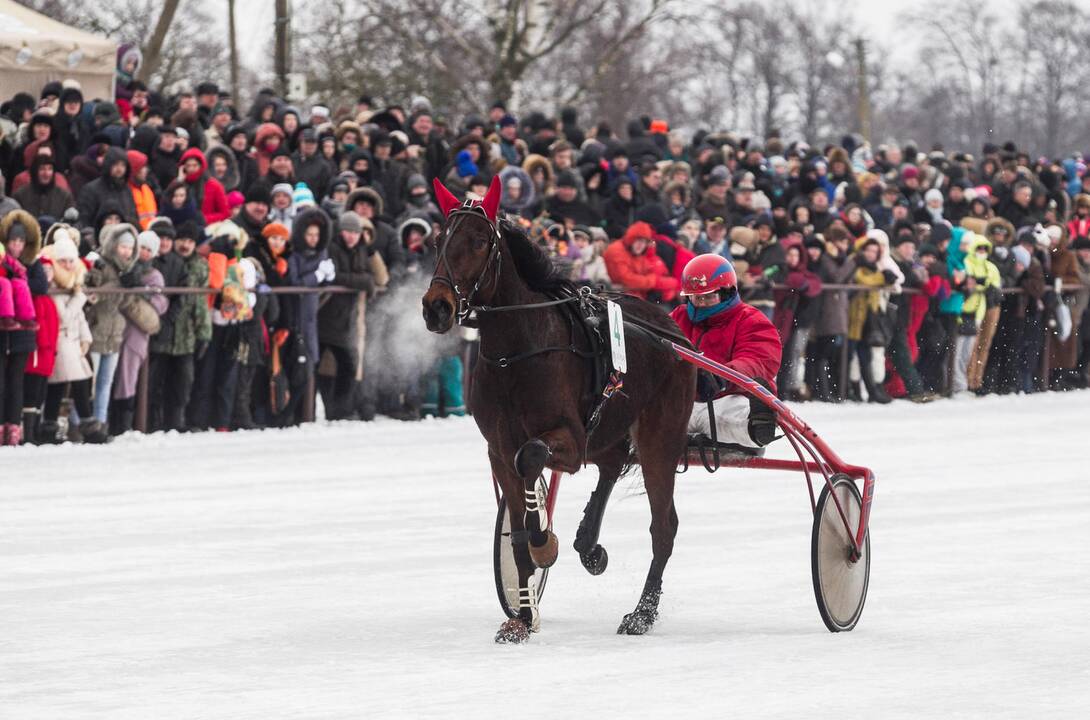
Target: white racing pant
731, 420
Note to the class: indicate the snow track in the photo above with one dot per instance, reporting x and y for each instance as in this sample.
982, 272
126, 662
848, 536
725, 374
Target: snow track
344, 571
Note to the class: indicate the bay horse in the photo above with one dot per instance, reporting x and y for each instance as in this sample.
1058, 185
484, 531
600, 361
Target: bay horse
533, 390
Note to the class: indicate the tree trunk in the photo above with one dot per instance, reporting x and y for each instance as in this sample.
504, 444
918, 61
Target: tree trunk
282, 50
153, 50
234, 51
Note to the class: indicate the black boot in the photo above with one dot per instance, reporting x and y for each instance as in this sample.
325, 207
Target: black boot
875, 392
93, 432
855, 394
32, 420
762, 419
49, 433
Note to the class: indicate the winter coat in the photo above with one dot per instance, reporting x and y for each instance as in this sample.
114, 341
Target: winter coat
73, 333
302, 265
986, 275
41, 200
1064, 266
44, 358
24, 341
104, 315
134, 343
387, 242
638, 275
741, 338
337, 319
833, 319
206, 190
797, 305
98, 192
315, 171
187, 320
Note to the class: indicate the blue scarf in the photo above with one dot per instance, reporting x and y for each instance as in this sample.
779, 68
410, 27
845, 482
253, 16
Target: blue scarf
697, 315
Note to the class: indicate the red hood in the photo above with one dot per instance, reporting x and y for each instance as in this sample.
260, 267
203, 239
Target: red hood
137, 161
197, 155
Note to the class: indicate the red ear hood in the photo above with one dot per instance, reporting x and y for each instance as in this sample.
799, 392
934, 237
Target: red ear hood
446, 199
491, 202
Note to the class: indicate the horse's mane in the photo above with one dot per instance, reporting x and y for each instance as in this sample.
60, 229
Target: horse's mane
532, 264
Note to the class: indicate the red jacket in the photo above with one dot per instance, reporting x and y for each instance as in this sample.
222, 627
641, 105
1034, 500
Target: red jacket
639, 274
741, 338
41, 361
214, 205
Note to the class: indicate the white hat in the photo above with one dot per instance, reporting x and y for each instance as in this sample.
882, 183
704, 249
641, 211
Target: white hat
149, 240
63, 247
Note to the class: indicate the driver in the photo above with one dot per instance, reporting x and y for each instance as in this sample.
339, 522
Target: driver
732, 333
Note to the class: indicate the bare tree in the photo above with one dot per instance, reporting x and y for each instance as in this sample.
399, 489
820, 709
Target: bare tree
153, 50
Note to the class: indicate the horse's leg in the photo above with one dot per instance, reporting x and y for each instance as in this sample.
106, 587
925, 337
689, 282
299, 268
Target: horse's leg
591, 554
659, 450
556, 447
518, 629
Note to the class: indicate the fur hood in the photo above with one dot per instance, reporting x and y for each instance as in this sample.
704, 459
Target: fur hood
528, 190
230, 179
465, 141
366, 192
33, 234
304, 220
108, 244
535, 162
999, 222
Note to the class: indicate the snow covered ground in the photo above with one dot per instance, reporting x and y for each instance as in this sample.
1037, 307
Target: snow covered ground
344, 571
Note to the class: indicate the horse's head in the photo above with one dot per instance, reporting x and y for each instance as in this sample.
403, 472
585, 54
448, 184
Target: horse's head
466, 269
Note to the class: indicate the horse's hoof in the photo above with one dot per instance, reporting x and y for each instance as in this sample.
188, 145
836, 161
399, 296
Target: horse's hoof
545, 555
513, 632
596, 560
637, 623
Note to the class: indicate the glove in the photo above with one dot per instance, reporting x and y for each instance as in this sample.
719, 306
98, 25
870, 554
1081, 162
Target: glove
325, 271
890, 276
707, 385
201, 349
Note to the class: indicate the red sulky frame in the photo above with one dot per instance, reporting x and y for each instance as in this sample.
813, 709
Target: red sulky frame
803, 440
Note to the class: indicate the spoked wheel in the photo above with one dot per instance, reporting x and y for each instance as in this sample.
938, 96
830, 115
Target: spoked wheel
840, 585
503, 560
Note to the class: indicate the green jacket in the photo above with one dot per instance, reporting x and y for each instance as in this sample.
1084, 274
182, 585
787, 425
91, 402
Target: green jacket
986, 274
193, 323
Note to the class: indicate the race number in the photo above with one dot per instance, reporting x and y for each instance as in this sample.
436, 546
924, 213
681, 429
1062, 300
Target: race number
616, 336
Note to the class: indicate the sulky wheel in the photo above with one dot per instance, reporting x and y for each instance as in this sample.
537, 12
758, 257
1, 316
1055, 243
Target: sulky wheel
503, 560
840, 584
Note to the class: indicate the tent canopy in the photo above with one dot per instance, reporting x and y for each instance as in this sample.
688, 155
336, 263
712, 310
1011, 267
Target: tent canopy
35, 49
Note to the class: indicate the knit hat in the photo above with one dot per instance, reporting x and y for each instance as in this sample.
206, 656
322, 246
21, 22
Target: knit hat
275, 228
929, 249
63, 247
302, 195
149, 240
285, 188
932, 194
910, 172
508, 120
189, 230
235, 199
259, 192
1022, 255
566, 179
350, 222
162, 226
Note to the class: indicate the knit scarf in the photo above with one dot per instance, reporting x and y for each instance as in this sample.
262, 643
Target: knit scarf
697, 315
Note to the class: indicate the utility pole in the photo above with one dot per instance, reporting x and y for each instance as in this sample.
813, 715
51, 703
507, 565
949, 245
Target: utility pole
283, 46
234, 52
863, 104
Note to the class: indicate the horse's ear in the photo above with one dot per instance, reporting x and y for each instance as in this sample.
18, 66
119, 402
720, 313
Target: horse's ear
446, 199
491, 202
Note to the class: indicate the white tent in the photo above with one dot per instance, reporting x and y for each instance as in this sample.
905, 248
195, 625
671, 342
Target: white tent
35, 49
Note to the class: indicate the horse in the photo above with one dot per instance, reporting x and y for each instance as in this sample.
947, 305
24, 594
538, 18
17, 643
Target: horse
532, 393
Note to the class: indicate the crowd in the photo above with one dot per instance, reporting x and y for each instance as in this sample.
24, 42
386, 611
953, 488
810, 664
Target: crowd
957, 262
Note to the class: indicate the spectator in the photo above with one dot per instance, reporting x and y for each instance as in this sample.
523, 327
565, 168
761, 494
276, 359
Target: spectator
634, 266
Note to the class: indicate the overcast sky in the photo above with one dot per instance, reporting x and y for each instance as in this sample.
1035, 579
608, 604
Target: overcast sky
254, 19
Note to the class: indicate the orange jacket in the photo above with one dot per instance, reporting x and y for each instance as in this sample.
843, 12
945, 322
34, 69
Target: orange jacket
144, 200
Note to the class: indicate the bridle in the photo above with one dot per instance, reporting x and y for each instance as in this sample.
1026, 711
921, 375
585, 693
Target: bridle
494, 260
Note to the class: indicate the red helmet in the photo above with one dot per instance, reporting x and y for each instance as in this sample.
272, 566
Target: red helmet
708, 273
